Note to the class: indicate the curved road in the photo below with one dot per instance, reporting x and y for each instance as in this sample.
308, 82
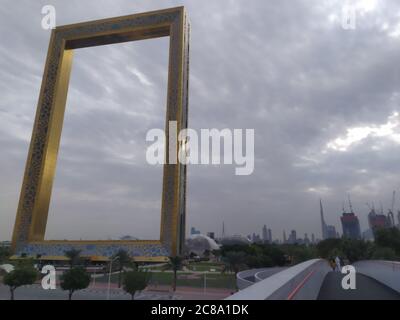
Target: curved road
366, 289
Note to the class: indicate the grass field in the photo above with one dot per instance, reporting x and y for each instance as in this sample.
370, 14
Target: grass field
205, 266
187, 279
196, 266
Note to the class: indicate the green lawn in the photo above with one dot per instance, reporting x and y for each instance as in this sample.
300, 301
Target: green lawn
216, 280
205, 266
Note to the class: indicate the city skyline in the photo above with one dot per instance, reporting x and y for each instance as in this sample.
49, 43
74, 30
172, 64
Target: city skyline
379, 219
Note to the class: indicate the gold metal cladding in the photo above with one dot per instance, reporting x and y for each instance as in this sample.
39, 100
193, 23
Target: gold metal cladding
31, 218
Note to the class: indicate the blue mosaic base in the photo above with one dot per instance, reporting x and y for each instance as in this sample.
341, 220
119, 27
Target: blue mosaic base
148, 250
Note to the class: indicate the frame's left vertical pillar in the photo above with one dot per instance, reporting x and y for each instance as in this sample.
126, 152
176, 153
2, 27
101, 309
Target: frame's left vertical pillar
184, 125
31, 218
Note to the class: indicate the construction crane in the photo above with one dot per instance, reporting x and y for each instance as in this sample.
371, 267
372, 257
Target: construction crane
351, 207
371, 207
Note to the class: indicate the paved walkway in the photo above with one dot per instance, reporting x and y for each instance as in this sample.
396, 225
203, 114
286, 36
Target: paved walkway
366, 289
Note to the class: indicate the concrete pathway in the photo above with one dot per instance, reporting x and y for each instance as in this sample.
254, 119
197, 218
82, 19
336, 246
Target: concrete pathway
366, 289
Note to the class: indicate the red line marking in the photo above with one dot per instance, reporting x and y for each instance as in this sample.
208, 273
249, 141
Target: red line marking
300, 285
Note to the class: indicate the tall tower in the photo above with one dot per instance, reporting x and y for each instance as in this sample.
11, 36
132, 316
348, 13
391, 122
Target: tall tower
323, 224
223, 230
265, 233
284, 236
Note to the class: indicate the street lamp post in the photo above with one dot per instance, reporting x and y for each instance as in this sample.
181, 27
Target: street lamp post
205, 282
94, 278
109, 277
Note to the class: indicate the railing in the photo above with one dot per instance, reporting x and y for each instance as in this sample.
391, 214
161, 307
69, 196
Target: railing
241, 280
263, 274
302, 281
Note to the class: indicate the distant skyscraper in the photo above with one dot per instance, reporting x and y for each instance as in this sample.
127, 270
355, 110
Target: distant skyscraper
284, 236
368, 235
323, 224
270, 235
328, 231
265, 234
292, 237
378, 221
211, 235
312, 238
256, 238
350, 225
193, 231
306, 240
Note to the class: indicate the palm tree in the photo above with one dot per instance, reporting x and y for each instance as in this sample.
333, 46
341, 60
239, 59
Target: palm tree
234, 261
216, 254
123, 260
175, 263
74, 256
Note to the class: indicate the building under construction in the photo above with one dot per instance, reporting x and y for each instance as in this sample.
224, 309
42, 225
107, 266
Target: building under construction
350, 223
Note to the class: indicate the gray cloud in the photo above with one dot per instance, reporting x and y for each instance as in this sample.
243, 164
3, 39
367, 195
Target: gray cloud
288, 70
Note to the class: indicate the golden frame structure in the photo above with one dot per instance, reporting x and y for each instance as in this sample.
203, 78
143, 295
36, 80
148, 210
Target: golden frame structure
31, 218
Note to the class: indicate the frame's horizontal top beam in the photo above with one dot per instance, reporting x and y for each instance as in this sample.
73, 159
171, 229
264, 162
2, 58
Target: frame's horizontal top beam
180, 9
118, 37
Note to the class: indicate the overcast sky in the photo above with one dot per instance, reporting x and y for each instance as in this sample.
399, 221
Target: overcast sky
323, 102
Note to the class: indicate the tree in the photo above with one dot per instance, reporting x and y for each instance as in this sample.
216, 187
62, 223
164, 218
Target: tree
389, 238
275, 253
234, 261
175, 264
216, 254
325, 247
384, 253
354, 250
74, 257
74, 279
135, 281
20, 276
123, 260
